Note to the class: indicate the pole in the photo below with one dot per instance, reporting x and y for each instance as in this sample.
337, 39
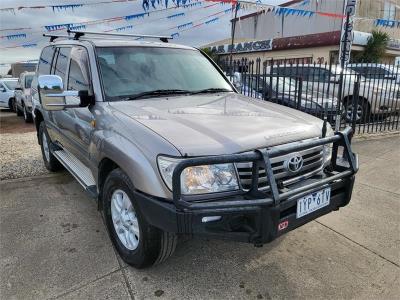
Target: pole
342, 58
233, 38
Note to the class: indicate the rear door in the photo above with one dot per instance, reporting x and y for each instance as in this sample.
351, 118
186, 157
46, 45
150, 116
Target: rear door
58, 119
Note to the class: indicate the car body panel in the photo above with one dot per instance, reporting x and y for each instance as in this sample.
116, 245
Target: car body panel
220, 124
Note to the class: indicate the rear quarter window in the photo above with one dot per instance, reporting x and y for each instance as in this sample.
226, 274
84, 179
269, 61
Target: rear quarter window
45, 60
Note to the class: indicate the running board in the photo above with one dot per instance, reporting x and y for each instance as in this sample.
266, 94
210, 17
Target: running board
78, 170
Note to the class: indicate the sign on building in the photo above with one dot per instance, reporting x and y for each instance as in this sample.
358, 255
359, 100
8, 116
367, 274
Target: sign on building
254, 46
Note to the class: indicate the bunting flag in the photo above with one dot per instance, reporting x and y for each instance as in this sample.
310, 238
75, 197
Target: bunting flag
30, 45
211, 21
65, 7
15, 36
136, 16
185, 25
286, 11
175, 15
77, 27
119, 29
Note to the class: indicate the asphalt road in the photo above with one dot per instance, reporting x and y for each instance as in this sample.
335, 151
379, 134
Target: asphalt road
53, 244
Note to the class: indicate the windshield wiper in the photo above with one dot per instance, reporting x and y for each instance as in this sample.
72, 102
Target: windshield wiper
158, 93
210, 90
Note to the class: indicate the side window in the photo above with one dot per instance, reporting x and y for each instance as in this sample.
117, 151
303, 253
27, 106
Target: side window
28, 81
79, 72
61, 64
45, 60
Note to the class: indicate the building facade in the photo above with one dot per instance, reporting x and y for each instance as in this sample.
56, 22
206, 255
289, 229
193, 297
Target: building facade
313, 38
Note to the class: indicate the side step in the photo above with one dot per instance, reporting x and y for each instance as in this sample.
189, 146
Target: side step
78, 170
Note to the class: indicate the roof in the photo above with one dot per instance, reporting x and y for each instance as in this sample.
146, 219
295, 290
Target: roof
128, 42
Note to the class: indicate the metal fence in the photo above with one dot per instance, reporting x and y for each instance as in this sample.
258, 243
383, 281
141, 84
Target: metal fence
364, 96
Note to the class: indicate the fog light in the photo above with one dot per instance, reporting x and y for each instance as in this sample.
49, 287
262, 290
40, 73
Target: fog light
210, 219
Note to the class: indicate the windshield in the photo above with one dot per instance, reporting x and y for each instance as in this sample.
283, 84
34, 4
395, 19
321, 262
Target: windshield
129, 71
28, 81
279, 84
11, 84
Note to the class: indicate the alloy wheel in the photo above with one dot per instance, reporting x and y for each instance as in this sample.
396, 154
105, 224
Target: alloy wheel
125, 220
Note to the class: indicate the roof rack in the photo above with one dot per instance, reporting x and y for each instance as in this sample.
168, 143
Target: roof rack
79, 34
54, 36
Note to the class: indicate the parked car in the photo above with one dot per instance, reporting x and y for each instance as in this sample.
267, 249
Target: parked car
167, 146
7, 87
373, 98
23, 99
285, 91
373, 71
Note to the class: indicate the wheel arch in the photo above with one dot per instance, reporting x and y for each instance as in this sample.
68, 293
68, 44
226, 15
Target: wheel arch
106, 166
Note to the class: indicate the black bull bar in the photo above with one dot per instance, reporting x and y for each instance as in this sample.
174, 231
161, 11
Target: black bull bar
254, 197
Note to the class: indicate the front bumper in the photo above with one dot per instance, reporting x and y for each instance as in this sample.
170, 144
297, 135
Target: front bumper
254, 216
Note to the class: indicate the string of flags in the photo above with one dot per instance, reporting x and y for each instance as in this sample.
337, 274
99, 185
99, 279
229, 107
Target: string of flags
63, 7
146, 5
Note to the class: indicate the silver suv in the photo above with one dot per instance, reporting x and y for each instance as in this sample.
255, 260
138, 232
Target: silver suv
162, 140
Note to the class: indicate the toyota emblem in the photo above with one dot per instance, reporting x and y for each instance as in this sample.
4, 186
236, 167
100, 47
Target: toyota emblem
294, 163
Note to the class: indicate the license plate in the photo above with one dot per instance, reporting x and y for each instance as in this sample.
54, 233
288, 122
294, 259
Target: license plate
312, 202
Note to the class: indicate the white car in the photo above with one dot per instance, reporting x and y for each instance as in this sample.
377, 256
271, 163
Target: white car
7, 87
373, 72
23, 98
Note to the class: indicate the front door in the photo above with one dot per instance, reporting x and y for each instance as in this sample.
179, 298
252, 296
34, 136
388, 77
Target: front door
76, 124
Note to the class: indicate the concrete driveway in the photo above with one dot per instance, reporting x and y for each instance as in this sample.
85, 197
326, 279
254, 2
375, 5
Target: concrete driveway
53, 244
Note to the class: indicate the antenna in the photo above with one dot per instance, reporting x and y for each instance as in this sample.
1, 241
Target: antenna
79, 34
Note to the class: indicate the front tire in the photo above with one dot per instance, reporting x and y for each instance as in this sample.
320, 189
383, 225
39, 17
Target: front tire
50, 161
17, 110
138, 243
11, 104
27, 116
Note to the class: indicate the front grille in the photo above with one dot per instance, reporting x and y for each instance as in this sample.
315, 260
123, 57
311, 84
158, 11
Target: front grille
312, 163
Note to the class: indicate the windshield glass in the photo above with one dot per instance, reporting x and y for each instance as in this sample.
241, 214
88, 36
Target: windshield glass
130, 71
28, 81
279, 84
11, 84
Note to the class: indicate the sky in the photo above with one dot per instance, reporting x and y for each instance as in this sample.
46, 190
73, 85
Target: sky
155, 23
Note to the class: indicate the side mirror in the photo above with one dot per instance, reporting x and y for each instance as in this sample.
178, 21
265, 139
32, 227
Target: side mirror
52, 94
2, 89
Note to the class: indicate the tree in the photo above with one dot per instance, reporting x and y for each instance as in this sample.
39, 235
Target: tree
374, 49
211, 54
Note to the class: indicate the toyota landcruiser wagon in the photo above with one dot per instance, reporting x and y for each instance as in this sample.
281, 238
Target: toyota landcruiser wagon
158, 135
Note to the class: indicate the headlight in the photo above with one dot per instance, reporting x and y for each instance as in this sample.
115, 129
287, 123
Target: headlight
200, 179
327, 150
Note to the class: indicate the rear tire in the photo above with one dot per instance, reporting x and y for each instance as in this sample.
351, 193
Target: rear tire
50, 161
362, 114
11, 104
138, 243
